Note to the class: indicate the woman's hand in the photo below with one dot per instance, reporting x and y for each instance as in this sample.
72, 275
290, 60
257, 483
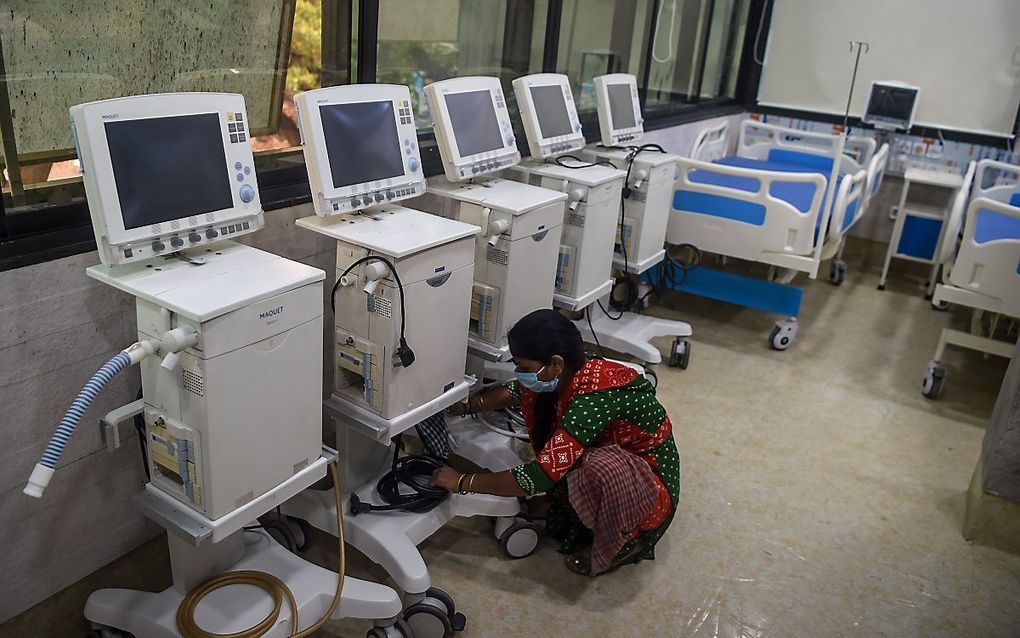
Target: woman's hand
446, 478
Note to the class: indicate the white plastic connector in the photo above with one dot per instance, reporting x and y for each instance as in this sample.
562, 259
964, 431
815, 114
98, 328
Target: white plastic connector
496, 228
138, 351
170, 361
575, 196
376, 270
642, 175
179, 338
371, 286
40, 478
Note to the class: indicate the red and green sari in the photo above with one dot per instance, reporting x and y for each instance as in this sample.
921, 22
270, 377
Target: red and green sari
605, 403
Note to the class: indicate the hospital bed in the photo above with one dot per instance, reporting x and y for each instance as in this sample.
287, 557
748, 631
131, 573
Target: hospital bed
982, 269
768, 205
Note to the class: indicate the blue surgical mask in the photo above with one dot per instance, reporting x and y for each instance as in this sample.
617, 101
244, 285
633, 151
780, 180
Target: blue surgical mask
531, 381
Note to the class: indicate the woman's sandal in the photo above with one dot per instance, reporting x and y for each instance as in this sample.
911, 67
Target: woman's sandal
580, 562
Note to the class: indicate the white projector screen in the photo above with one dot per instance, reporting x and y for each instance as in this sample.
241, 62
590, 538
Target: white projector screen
964, 54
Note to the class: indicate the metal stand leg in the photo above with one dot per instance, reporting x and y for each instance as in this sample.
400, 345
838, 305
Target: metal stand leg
894, 240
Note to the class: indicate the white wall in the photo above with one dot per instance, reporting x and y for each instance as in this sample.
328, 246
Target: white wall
964, 54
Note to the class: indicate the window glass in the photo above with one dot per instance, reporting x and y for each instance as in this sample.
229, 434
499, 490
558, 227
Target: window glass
57, 54
424, 42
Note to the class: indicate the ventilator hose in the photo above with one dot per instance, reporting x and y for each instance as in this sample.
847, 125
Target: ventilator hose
44, 468
78, 407
276, 588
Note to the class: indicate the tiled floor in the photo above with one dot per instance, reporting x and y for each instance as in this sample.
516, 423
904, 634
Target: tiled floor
822, 494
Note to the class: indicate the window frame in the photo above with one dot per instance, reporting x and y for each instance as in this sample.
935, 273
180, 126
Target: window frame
35, 234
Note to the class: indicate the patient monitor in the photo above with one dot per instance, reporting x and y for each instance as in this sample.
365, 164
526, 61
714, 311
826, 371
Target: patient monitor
515, 256
891, 105
404, 277
619, 109
585, 257
231, 383
166, 172
641, 232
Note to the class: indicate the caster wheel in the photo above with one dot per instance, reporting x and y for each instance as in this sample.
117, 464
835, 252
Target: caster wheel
783, 334
881, 286
301, 530
428, 619
280, 533
106, 632
680, 353
399, 629
942, 306
520, 540
934, 380
837, 272
652, 377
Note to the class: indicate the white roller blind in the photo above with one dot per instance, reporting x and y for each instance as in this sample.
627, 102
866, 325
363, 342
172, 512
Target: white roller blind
964, 54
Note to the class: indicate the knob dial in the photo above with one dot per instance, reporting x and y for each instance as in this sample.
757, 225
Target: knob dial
194, 237
158, 246
176, 242
247, 193
379, 197
413, 165
211, 234
390, 195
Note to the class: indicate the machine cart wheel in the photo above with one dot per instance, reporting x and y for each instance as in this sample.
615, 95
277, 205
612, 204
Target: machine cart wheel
518, 538
434, 616
934, 380
398, 629
680, 353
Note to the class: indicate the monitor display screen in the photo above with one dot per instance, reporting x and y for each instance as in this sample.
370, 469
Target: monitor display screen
475, 126
890, 102
168, 167
362, 142
551, 109
621, 106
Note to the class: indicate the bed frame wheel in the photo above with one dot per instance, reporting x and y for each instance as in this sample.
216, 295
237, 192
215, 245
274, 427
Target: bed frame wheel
942, 306
652, 376
783, 334
837, 272
934, 380
680, 353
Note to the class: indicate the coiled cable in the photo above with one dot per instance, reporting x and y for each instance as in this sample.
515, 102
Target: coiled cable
413, 471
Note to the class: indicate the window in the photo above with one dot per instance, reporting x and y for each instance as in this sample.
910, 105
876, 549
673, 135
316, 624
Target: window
54, 54
682, 51
423, 42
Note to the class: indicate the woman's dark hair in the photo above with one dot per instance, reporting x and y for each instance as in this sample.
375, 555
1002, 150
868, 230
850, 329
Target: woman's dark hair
538, 336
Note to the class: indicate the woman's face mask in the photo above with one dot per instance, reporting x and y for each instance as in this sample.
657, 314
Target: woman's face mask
531, 381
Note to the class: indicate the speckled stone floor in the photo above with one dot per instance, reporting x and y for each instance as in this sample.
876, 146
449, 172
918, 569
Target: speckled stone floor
822, 494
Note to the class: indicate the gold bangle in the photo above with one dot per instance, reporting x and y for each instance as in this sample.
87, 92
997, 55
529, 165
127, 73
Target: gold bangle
481, 402
471, 483
460, 482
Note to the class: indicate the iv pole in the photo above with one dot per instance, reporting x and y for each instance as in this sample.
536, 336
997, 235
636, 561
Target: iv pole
861, 47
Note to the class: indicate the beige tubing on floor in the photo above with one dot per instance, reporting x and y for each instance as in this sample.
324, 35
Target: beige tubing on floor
268, 583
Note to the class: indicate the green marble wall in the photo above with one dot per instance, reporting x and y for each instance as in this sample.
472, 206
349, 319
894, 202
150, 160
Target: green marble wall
58, 53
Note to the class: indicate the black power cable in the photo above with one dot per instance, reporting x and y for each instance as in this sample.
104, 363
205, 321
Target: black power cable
631, 299
413, 471
404, 351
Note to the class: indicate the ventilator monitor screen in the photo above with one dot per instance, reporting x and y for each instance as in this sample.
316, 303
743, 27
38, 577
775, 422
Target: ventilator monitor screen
621, 106
361, 142
473, 118
891, 104
551, 108
168, 167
